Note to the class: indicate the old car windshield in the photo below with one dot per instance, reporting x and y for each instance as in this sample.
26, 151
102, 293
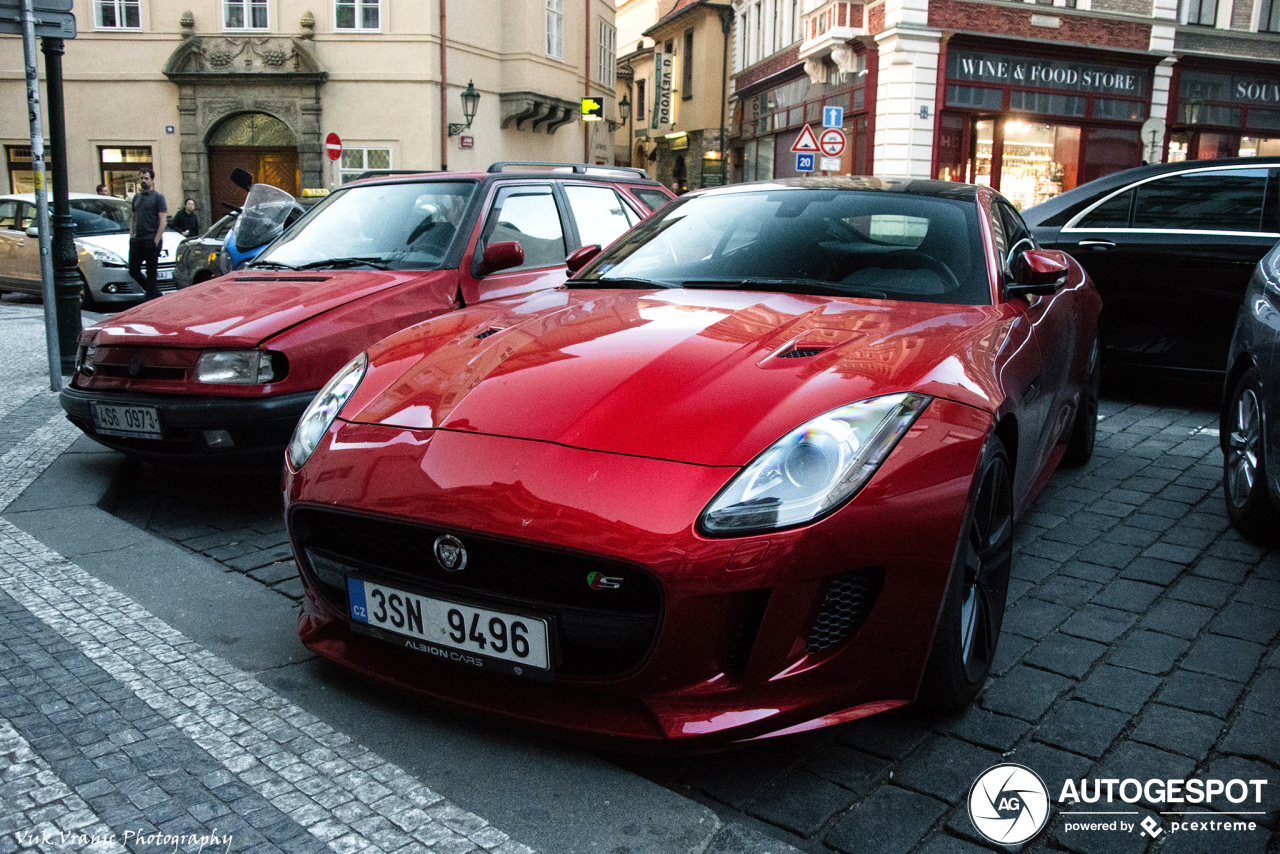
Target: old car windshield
407, 226
823, 241
99, 215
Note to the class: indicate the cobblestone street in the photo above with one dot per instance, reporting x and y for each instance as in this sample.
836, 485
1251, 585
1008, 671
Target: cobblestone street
1141, 641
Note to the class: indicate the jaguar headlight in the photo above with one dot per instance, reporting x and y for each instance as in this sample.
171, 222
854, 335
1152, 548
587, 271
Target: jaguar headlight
238, 367
322, 410
106, 256
813, 469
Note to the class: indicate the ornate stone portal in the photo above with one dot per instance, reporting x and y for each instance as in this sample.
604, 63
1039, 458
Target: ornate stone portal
221, 75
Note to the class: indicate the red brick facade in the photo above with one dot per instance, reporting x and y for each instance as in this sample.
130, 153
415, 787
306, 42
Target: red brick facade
767, 68
968, 16
875, 18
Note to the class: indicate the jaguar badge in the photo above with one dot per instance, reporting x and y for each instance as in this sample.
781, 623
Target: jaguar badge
450, 553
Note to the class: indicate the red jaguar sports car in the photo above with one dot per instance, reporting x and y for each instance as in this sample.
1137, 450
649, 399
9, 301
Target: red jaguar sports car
753, 470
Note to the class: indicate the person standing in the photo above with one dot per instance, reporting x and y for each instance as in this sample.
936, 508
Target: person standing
185, 221
103, 191
146, 232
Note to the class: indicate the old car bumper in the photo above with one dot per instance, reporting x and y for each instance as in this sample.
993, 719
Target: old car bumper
197, 431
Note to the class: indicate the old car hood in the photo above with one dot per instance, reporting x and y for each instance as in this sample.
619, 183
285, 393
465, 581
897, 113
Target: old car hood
697, 376
243, 309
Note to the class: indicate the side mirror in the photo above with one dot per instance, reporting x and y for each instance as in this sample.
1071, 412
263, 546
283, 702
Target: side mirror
501, 256
33, 231
581, 257
1038, 271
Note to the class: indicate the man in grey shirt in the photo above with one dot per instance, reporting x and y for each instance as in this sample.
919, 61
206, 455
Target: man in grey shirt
150, 213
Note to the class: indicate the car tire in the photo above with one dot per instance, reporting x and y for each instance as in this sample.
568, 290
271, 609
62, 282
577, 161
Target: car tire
974, 603
1244, 478
1084, 431
87, 302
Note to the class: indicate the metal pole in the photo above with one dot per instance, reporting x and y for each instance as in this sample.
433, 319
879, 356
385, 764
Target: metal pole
42, 201
66, 277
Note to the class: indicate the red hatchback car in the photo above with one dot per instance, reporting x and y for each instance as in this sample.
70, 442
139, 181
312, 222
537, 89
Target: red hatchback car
217, 374
754, 470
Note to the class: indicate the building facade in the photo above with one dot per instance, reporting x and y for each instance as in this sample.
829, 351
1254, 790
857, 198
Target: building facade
1032, 98
195, 88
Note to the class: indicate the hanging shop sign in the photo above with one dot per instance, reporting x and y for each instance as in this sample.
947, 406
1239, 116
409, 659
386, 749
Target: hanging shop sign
1045, 73
1231, 88
664, 66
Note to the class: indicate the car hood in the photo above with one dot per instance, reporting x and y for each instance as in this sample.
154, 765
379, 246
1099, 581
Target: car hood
705, 377
243, 309
119, 243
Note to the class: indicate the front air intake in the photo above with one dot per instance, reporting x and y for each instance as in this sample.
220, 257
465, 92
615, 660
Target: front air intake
846, 606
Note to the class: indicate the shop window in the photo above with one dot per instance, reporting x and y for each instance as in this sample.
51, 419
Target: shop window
749, 160
1038, 162
1109, 150
1197, 112
1253, 146
357, 161
358, 15
1179, 144
119, 168
975, 96
1045, 103
1112, 108
764, 160
117, 14
1113, 213
1222, 200
951, 154
244, 14
1211, 146
813, 111
1269, 119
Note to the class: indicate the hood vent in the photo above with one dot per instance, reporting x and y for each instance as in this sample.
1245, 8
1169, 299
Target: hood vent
492, 330
797, 352
284, 279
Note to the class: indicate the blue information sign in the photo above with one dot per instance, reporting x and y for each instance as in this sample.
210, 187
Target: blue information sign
832, 117
804, 162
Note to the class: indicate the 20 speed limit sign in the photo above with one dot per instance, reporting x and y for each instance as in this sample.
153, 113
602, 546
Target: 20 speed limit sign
832, 142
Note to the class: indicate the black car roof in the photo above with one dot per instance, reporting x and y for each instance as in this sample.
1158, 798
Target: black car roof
1081, 196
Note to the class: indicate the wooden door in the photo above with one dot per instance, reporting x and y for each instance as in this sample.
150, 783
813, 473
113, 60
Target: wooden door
275, 166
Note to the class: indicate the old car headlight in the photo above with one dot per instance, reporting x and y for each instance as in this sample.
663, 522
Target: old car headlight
84, 359
241, 367
106, 256
320, 413
813, 469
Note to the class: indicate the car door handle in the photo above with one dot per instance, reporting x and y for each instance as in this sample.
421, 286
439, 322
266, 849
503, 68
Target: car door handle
1096, 245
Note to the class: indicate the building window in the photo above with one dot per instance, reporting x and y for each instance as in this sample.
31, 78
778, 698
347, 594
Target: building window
1200, 12
641, 115
608, 70
119, 166
244, 14
358, 161
686, 67
1269, 16
358, 15
117, 14
555, 29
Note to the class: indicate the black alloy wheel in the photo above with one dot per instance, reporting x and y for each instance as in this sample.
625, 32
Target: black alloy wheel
973, 609
1084, 430
1244, 479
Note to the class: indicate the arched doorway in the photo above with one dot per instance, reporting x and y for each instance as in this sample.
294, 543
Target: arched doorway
259, 143
680, 178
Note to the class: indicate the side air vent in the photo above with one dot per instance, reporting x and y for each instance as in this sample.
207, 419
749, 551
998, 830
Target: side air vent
251, 279
846, 606
492, 330
801, 352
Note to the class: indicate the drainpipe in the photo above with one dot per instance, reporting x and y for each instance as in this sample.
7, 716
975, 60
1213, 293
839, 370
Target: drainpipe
444, 97
726, 18
586, 128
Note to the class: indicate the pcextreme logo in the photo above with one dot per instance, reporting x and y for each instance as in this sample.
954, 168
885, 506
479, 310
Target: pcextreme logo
1009, 804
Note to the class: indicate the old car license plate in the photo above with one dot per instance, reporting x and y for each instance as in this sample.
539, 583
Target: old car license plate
515, 638
140, 422
164, 275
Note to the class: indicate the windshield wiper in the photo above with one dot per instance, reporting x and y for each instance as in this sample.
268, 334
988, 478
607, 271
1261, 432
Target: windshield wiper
788, 286
275, 264
619, 283
374, 261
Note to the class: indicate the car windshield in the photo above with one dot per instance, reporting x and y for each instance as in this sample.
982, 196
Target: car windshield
886, 245
99, 215
405, 226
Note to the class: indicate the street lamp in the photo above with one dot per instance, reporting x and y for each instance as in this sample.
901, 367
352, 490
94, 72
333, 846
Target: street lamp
470, 101
624, 113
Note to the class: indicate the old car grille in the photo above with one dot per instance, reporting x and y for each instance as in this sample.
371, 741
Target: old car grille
598, 633
845, 608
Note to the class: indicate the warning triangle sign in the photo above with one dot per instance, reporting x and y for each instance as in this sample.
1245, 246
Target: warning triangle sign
805, 142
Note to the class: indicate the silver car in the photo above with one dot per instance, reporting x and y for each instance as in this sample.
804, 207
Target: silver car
102, 244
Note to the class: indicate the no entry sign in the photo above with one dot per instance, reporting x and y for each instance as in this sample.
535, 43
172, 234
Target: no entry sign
333, 146
832, 142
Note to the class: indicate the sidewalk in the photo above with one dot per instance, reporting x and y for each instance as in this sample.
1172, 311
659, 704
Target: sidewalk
152, 702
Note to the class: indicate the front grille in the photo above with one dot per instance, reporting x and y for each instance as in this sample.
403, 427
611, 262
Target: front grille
849, 600
146, 372
598, 632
